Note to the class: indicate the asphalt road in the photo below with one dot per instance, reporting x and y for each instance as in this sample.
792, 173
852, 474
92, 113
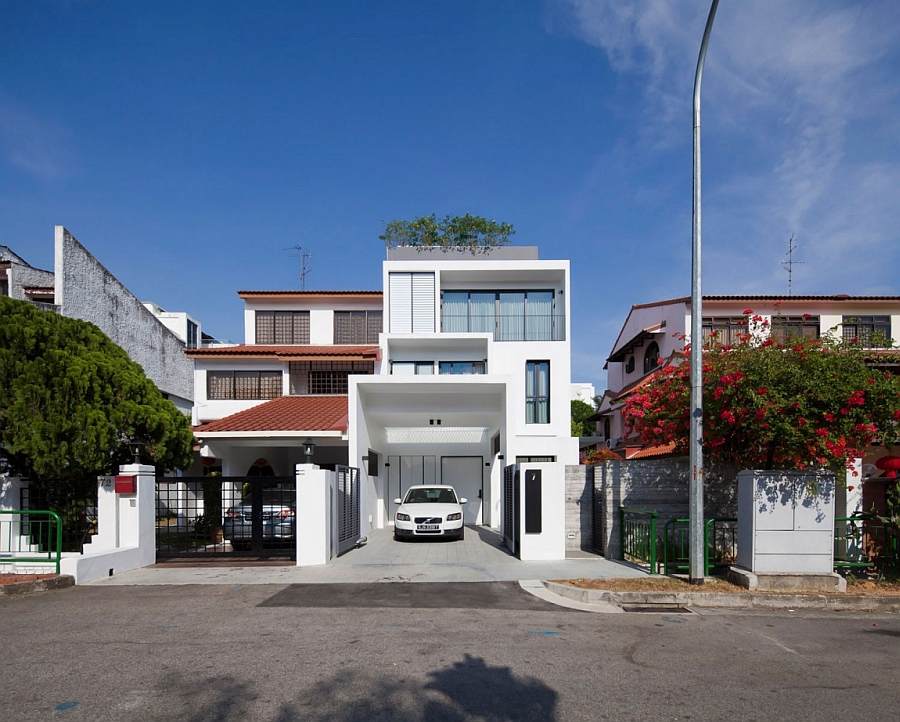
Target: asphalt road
267, 652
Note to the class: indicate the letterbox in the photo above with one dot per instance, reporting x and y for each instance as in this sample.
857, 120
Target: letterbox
126, 485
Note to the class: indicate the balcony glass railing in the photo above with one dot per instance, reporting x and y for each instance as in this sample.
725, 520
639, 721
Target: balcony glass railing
550, 327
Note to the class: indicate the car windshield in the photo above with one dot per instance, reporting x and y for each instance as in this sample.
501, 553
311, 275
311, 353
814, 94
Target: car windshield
430, 496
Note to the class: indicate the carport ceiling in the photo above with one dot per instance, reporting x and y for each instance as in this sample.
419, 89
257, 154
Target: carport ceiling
463, 405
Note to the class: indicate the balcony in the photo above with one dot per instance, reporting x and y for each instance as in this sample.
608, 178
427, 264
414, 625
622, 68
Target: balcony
518, 327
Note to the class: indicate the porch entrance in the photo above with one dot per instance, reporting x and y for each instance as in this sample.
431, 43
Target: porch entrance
464, 473
226, 516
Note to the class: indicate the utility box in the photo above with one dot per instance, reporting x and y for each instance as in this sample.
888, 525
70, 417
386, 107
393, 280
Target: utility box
126, 484
786, 522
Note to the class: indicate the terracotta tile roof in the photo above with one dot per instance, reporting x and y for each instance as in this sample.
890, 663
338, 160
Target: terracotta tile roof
287, 413
310, 294
650, 452
832, 297
331, 353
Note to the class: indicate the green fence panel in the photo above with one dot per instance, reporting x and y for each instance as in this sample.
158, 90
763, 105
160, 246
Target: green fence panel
637, 535
28, 535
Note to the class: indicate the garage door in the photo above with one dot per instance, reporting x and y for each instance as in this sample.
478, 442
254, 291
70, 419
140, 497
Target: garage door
465, 474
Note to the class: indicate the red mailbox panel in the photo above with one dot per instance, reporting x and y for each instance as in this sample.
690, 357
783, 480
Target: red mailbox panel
126, 485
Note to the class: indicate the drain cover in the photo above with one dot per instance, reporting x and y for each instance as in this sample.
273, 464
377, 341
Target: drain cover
656, 608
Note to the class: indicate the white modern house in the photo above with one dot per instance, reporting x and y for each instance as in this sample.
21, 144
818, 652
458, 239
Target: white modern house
457, 373
654, 331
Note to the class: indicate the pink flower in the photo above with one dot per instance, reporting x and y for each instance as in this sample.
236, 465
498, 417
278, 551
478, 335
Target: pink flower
747, 311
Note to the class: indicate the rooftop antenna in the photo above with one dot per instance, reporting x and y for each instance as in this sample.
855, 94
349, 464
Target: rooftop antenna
305, 257
789, 263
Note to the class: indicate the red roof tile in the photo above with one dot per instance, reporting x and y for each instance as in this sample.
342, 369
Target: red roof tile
310, 294
334, 353
287, 413
650, 452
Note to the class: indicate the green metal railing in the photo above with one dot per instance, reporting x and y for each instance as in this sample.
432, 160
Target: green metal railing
30, 536
637, 535
719, 545
865, 544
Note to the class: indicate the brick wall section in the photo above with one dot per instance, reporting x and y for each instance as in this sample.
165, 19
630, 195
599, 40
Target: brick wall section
579, 500
660, 485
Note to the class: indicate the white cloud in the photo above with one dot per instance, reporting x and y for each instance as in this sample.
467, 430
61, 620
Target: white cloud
799, 124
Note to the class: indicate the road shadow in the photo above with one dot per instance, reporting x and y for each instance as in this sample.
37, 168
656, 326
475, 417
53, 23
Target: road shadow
469, 689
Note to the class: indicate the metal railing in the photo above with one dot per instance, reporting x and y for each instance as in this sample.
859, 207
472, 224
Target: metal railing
719, 545
863, 544
637, 535
30, 536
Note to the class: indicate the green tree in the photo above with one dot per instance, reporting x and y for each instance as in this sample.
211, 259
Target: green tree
798, 403
468, 231
580, 412
71, 399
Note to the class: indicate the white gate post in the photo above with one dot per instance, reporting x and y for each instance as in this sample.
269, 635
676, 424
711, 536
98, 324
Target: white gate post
315, 514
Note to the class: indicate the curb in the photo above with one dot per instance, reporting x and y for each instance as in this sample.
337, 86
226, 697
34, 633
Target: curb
62, 581
732, 600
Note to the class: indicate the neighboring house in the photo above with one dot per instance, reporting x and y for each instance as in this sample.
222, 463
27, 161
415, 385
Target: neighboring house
460, 368
80, 287
655, 331
583, 392
256, 403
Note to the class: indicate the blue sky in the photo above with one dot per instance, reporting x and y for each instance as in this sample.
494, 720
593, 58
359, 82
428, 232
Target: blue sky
188, 144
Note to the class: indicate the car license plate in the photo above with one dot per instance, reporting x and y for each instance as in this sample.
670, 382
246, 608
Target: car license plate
427, 527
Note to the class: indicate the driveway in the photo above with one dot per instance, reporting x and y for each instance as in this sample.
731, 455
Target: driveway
480, 557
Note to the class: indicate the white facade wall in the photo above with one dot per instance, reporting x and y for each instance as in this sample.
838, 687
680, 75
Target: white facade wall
206, 409
439, 416
321, 313
177, 322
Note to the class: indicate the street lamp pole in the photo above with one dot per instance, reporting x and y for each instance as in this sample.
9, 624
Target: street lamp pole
697, 545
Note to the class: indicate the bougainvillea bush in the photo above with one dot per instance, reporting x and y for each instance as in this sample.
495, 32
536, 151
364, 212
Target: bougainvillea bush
791, 403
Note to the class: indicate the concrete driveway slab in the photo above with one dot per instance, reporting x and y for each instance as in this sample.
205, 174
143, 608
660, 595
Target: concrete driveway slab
480, 557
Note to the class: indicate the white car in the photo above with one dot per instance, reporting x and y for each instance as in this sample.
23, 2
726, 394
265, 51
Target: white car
429, 511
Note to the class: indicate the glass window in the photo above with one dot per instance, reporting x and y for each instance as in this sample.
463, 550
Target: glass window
868, 331
537, 392
724, 330
412, 368
461, 367
784, 327
357, 326
651, 357
243, 385
508, 315
325, 377
288, 327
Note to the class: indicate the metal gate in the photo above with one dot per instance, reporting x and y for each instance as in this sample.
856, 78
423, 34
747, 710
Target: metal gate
347, 507
597, 522
510, 511
211, 516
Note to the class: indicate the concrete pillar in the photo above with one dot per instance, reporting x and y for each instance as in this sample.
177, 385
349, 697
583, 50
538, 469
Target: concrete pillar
315, 514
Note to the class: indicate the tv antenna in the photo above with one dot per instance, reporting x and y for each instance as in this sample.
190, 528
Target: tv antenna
305, 257
788, 265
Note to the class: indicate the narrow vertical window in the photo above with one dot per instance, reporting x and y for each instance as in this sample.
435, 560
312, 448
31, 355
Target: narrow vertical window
537, 392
